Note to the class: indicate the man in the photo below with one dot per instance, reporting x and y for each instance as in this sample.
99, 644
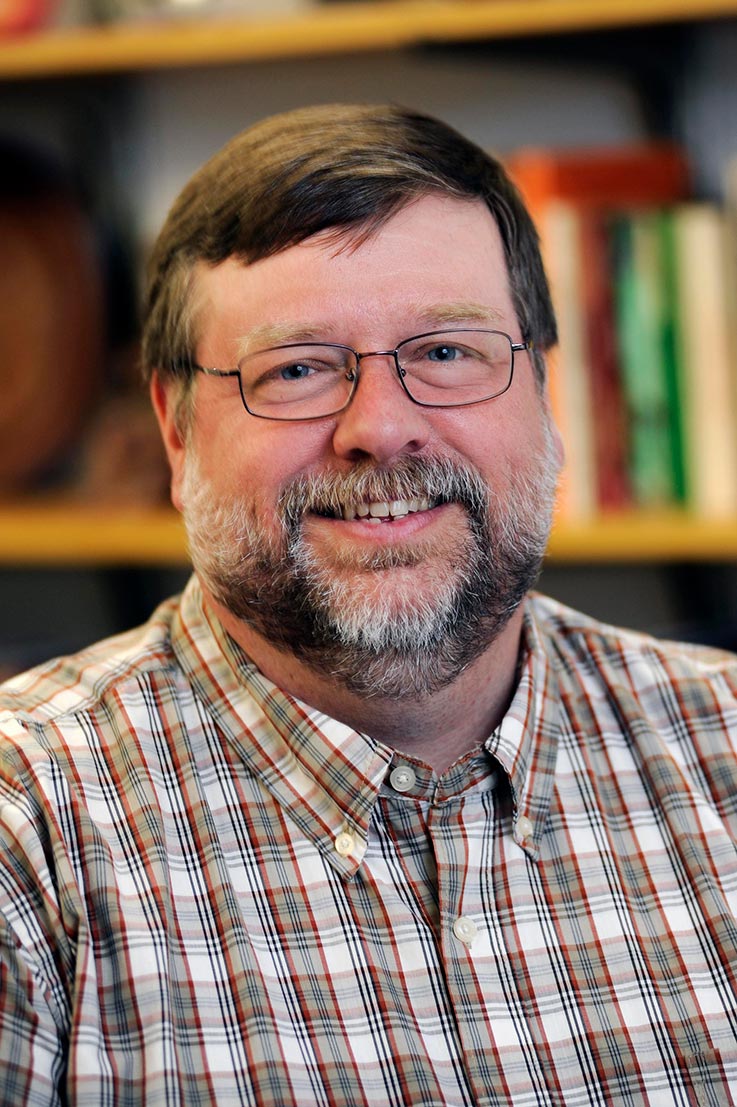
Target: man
358, 820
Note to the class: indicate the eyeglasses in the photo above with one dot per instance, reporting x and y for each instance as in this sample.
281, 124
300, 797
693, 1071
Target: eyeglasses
313, 380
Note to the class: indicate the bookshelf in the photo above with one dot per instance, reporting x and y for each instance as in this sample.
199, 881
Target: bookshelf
339, 28
59, 534
51, 534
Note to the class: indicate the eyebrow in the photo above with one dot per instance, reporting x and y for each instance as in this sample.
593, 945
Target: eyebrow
458, 311
425, 317
266, 335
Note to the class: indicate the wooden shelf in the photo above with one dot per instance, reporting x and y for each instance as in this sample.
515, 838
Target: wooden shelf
638, 537
77, 535
63, 535
327, 29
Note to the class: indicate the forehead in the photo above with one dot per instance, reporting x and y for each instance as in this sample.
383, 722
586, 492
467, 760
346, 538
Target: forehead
433, 255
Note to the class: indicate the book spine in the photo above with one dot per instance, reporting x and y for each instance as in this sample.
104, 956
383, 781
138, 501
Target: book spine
705, 333
641, 326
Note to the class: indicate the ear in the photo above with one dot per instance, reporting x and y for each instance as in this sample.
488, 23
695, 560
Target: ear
165, 395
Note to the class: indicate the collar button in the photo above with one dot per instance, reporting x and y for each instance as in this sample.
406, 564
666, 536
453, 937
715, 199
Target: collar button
402, 779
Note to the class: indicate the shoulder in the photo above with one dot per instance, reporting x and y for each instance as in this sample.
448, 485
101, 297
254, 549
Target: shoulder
673, 705
581, 643
77, 733
65, 688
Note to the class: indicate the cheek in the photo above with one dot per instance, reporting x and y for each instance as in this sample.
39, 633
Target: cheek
263, 457
480, 436
506, 442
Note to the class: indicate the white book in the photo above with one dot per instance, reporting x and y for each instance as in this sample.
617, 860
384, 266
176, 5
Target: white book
705, 320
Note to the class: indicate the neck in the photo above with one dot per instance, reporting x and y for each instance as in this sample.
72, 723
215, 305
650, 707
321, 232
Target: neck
437, 728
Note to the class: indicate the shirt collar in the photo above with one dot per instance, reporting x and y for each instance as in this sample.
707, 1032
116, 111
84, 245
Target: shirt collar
325, 774
329, 776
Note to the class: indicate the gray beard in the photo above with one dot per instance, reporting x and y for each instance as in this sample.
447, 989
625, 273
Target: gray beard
339, 619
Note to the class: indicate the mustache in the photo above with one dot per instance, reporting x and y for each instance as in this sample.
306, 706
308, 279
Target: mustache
438, 479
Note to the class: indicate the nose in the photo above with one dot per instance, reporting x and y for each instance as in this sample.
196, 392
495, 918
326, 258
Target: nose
381, 422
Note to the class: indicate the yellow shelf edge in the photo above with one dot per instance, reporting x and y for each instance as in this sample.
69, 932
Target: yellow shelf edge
634, 536
79, 535
334, 28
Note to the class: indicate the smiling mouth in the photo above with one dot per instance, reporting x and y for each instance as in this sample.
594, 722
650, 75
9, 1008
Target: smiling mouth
383, 511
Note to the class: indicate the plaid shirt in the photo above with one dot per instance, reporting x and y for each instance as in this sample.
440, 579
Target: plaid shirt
212, 893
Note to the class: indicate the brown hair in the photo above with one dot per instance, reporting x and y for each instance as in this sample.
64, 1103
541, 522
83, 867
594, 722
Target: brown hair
337, 166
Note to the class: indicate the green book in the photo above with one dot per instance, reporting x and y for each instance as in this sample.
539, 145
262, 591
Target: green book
646, 346
673, 355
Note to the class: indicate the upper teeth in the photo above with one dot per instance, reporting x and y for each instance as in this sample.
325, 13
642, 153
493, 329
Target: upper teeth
394, 509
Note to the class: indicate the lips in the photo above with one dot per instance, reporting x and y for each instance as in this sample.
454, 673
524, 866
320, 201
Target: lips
383, 511
367, 493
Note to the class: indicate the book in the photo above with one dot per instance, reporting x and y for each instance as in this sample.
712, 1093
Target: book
643, 310
609, 414
673, 355
570, 194
631, 175
705, 335
569, 373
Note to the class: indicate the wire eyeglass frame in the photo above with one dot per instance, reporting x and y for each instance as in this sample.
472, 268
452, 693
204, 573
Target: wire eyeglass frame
352, 374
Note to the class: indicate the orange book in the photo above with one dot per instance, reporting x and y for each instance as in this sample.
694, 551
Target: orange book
606, 176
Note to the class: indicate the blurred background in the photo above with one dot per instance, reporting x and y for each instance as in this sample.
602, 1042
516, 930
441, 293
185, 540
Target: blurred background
620, 127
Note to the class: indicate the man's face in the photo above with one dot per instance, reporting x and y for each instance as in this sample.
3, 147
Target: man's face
401, 605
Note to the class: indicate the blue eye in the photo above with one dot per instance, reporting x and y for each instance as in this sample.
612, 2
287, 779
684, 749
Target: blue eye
443, 353
295, 372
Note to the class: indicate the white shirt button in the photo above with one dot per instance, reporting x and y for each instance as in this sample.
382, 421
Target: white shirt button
524, 828
402, 779
344, 843
465, 929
